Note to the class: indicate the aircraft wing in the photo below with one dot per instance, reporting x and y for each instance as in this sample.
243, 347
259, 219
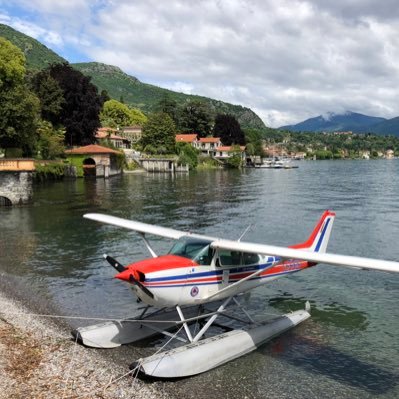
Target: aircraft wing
143, 228
290, 253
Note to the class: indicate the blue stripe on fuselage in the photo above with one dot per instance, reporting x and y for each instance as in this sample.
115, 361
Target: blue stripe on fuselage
209, 273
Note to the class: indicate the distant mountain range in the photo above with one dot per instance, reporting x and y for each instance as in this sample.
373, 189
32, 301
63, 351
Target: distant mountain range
121, 85
348, 121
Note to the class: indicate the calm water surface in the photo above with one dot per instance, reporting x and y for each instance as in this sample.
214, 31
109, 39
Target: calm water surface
350, 346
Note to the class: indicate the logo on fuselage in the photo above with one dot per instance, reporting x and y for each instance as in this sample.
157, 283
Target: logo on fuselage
194, 291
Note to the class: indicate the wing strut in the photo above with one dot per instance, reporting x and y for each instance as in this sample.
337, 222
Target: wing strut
147, 244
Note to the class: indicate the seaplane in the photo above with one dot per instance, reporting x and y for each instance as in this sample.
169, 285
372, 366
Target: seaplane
195, 289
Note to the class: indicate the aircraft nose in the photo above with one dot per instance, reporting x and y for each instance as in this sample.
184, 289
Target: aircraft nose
127, 274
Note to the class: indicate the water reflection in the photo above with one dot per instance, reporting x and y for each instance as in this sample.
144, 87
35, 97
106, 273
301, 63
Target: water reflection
318, 358
355, 317
332, 313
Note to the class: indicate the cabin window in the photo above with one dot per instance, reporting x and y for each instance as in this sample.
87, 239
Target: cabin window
229, 258
234, 258
250, 259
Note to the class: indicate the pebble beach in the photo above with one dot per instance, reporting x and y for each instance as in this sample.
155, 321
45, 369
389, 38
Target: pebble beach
39, 359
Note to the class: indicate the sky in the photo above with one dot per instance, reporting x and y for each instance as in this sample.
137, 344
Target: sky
287, 60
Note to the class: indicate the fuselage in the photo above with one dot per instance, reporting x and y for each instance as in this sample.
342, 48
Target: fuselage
193, 272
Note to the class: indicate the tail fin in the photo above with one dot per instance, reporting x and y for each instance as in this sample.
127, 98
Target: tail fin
318, 240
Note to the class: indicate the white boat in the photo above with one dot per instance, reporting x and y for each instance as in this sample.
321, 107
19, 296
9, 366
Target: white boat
276, 164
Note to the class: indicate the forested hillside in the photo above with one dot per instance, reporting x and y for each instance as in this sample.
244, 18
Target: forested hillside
119, 85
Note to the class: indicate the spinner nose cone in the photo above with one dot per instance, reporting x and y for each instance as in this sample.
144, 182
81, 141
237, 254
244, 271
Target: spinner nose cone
125, 275
130, 274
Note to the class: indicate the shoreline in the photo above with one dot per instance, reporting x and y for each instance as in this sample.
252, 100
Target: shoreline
39, 359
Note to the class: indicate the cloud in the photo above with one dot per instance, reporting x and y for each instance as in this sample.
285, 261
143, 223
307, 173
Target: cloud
288, 60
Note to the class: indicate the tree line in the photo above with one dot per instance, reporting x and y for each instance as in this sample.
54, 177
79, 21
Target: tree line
43, 112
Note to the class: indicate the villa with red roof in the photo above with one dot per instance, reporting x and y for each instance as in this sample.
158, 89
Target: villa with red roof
187, 138
109, 134
209, 145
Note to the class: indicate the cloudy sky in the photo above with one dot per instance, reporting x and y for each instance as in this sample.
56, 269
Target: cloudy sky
288, 60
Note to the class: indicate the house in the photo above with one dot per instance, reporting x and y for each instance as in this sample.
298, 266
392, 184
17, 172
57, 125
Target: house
109, 134
389, 154
208, 145
225, 152
132, 133
187, 138
96, 160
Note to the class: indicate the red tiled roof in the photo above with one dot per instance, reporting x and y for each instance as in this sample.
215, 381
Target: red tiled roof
186, 138
105, 135
209, 140
92, 149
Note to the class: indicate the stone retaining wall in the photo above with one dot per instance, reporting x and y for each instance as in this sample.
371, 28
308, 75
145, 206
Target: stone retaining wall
16, 186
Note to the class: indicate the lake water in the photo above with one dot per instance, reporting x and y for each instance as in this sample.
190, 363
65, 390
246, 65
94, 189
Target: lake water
350, 346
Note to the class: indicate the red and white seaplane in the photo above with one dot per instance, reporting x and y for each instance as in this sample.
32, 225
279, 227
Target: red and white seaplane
199, 281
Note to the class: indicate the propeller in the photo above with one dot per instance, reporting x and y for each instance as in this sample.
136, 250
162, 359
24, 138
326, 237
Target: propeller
141, 286
120, 268
114, 263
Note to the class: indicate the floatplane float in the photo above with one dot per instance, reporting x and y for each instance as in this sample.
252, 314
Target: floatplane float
198, 283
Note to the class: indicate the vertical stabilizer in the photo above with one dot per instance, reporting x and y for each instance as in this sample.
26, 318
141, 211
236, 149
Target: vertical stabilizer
318, 240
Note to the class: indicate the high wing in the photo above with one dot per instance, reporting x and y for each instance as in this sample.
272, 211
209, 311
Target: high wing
283, 252
289, 253
143, 228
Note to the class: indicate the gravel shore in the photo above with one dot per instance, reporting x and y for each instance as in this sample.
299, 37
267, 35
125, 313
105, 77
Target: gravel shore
38, 359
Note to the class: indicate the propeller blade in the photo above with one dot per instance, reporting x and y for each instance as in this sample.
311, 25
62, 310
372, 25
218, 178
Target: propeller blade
141, 286
114, 263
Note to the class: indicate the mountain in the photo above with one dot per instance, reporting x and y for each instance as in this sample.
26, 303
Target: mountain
146, 97
37, 55
389, 126
349, 121
118, 84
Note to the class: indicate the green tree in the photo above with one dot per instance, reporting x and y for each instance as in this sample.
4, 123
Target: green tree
50, 141
19, 108
235, 159
229, 130
19, 112
188, 155
254, 139
196, 117
80, 112
168, 106
50, 94
159, 134
12, 65
115, 114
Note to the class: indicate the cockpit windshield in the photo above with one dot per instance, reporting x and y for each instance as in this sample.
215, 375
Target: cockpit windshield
195, 249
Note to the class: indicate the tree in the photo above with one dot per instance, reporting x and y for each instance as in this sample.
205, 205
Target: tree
19, 111
80, 112
159, 134
12, 65
19, 108
229, 130
50, 141
50, 94
253, 138
196, 117
115, 114
188, 155
168, 106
